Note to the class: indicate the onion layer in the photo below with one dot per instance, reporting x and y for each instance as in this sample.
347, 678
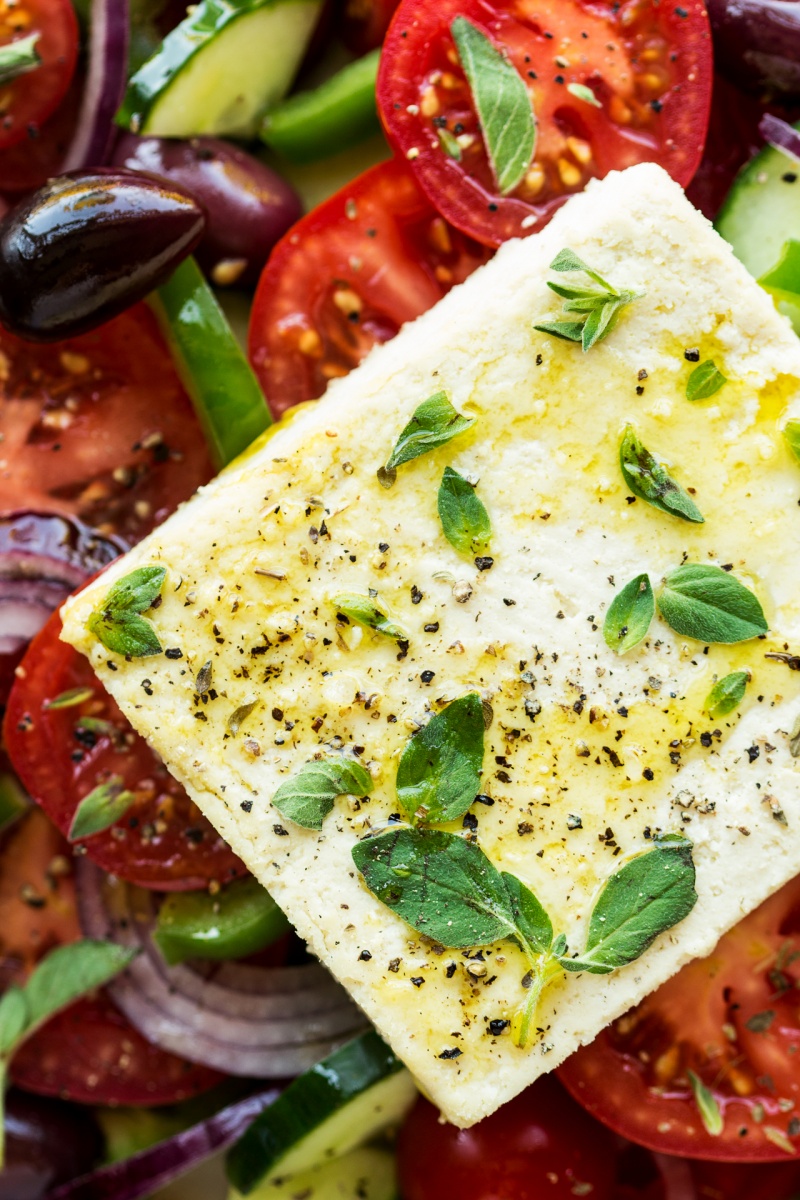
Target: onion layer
95, 132
267, 1022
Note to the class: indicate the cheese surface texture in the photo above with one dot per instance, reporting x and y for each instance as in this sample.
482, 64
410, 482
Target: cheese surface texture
589, 754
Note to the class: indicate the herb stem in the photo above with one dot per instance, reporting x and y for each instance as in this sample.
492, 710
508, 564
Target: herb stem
544, 968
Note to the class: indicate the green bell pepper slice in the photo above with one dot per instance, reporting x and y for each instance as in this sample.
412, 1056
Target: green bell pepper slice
239, 920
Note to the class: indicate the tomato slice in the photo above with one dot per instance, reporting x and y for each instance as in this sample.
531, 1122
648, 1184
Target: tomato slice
99, 427
347, 276
647, 66
89, 1052
30, 163
734, 1020
62, 754
364, 23
29, 99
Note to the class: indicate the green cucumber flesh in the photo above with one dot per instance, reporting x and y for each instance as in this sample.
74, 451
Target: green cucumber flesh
761, 213
365, 1174
336, 1106
220, 69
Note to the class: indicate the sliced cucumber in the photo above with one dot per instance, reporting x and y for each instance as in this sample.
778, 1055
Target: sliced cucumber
761, 213
365, 1174
221, 385
339, 1104
221, 68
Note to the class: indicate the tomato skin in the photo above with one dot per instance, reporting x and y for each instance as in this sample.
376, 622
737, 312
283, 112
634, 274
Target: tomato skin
364, 23
31, 98
163, 841
99, 427
377, 243
539, 1146
31, 162
733, 1020
649, 111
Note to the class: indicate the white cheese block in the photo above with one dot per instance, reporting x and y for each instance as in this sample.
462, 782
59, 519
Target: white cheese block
620, 742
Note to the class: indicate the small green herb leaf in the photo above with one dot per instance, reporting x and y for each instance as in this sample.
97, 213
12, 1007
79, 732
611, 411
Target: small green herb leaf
650, 480
240, 715
69, 972
502, 103
709, 604
361, 610
117, 623
13, 1018
103, 807
704, 381
629, 615
449, 143
791, 435
707, 1105
465, 521
440, 884
783, 280
308, 797
726, 694
582, 92
19, 57
647, 896
434, 423
439, 771
599, 306
70, 698
533, 925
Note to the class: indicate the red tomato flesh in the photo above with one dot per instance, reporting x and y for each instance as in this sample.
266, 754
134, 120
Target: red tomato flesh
347, 277
647, 65
62, 754
364, 23
734, 1020
30, 98
99, 427
90, 1052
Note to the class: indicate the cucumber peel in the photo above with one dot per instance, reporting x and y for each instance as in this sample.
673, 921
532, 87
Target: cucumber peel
220, 69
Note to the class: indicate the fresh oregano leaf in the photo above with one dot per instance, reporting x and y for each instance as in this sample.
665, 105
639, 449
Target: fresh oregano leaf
726, 694
308, 797
502, 102
646, 896
240, 715
705, 380
439, 883
439, 773
650, 480
599, 306
533, 925
581, 92
704, 602
449, 143
70, 699
791, 435
19, 57
63, 976
117, 622
103, 807
707, 1105
629, 615
362, 610
434, 423
465, 521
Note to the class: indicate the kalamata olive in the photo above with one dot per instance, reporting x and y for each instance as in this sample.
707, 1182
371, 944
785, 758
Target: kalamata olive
88, 245
248, 206
757, 43
47, 1142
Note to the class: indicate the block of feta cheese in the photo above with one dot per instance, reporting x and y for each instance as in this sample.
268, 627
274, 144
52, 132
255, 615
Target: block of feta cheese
590, 754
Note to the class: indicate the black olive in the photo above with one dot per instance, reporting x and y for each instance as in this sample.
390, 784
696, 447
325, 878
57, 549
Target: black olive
88, 245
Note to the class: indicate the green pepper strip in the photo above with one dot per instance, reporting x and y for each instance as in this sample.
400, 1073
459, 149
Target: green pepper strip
333, 117
223, 389
239, 920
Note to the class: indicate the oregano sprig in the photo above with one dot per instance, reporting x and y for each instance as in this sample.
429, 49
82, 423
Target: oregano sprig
465, 521
439, 772
118, 622
445, 887
649, 479
101, 808
434, 423
705, 602
309, 795
593, 308
629, 615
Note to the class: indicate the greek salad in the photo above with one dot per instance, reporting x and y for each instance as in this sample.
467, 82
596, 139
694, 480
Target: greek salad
208, 216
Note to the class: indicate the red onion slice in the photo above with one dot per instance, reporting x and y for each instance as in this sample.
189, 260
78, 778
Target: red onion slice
268, 1022
139, 1175
43, 557
95, 132
781, 135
